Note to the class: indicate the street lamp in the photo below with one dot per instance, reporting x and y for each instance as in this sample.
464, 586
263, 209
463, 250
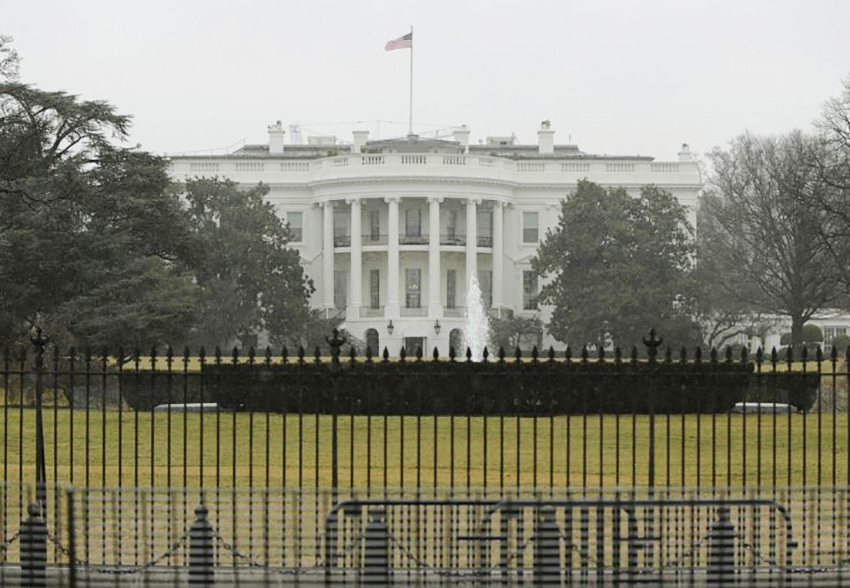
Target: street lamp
390, 327
437, 327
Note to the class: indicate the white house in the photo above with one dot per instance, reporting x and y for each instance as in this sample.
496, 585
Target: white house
392, 231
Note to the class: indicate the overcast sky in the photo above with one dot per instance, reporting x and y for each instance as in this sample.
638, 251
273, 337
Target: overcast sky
618, 77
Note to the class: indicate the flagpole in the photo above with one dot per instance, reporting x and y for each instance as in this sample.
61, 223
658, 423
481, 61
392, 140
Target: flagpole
410, 127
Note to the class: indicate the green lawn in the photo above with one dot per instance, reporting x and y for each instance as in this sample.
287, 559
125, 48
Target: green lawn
580, 451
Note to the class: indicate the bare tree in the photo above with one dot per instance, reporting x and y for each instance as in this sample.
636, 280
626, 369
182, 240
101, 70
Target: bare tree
768, 231
833, 165
9, 59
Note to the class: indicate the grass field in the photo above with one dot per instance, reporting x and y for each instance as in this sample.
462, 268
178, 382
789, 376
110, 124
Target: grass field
112, 449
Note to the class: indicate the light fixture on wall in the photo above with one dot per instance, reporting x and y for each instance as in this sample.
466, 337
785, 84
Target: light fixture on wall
437, 327
390, 327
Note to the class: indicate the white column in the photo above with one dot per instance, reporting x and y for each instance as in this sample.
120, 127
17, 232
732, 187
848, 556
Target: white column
391, 308
355, 298
435, 306
328, 255
498, 254
471, 240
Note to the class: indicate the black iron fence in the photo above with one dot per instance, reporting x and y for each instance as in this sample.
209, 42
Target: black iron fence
728, 537
290, 419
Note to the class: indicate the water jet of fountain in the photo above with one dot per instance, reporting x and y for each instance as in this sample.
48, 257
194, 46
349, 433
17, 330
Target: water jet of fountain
476, 329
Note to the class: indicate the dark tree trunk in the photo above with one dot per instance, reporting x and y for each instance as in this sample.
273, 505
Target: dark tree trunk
797, 330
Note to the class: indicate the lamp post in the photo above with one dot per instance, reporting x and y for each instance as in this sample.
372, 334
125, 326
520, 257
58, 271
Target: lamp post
39, 342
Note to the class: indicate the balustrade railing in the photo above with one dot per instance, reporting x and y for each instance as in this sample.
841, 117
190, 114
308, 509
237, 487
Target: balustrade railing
413, 239
453, 239
374, 239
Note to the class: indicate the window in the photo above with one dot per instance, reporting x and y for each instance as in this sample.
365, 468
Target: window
451, 229
484, 222
413, 222
485, 281
340, 288
296, 224
529, 290
375, 288
413, 279
451, 288
831, 332
529, 227
342, 228
374, 225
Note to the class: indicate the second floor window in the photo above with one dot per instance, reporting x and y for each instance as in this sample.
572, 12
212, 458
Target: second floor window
529, 290
451, 227
529, 227
485, 228
413, 222
374, 225
342, 228
296, 226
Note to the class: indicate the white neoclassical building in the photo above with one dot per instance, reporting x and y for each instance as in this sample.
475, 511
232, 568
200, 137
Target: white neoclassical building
392, 231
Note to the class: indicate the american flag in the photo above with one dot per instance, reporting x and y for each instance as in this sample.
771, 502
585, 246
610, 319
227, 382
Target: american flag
405, 42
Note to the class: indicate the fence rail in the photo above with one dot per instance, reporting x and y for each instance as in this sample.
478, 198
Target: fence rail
686, 537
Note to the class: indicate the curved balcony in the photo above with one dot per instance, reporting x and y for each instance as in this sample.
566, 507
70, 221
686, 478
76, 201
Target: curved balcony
369, 239
413, 239
453, 240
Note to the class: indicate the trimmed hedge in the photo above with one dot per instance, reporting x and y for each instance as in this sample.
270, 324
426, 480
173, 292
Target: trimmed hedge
463, 388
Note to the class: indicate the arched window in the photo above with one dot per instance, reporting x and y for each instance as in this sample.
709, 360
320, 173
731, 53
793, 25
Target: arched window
373, 342
456, 341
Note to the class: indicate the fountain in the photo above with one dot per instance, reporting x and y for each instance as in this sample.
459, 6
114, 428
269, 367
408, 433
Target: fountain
476, 330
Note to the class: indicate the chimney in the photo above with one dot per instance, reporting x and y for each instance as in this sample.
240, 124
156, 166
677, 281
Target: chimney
685, 154
546, 138
462, 136
360, 138
276, 134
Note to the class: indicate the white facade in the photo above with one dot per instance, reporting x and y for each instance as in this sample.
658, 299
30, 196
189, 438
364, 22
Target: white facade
392, 231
